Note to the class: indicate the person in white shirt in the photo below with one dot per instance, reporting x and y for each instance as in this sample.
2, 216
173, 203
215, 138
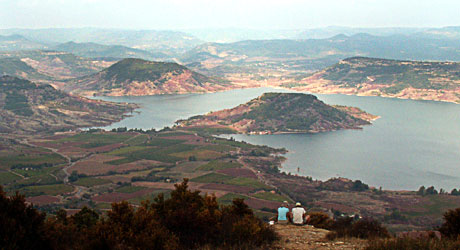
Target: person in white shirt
299, 215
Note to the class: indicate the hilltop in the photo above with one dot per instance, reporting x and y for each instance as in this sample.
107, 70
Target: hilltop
393, 78
26, 107
283, 113
140, 77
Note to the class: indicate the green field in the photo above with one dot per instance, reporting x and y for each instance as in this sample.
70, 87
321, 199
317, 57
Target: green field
129, 189
46, 190
219, 148
44, 179
228, 198
137, 140
212, 178
247, 182
103, 205
174, 133
163, 142
105, 138
199, 154
150, 196
212, 131
238, 144
7, 177
217, 165
270, 197
120, 161
90, 182
6, 162
127, 150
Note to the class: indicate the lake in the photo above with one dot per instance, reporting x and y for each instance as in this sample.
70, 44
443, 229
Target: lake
414, 143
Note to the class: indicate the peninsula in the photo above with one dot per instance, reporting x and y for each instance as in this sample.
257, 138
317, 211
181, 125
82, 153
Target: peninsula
283, 113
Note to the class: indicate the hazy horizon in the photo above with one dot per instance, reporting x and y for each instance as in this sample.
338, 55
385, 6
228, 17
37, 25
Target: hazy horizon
239, 14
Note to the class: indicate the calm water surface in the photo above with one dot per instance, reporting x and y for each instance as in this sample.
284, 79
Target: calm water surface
414, 143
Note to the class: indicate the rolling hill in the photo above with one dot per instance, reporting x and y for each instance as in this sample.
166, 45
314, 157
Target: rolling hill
94, 50
16, 67
282, 113
58, 65
141, 77
404, 79
26, 107
17, 42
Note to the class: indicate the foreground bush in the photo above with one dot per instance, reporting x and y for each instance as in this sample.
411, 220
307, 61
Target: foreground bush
187, 220
365, 229
451, 226
413, 244
320, 220
21, 226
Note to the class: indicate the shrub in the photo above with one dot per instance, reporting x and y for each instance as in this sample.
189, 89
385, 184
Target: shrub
364, 229
407, 243
186, 220
451, 226
22, 226
320, 220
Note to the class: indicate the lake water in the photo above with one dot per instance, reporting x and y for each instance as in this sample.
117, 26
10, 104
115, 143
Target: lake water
414, 143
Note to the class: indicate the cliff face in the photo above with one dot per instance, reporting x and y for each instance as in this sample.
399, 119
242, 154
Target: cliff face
140, 77
26, 107
283, 112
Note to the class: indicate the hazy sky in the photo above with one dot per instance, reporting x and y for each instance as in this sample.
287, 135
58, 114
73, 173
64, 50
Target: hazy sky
259, 14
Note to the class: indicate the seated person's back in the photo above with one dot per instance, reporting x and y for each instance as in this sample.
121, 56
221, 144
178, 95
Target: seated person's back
282, 213
298, 214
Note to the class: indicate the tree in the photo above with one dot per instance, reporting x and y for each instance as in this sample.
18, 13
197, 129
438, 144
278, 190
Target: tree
431, 191
22, 226
451, 226
421, 191
359, 186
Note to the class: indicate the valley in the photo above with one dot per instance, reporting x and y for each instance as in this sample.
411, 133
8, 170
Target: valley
232, 137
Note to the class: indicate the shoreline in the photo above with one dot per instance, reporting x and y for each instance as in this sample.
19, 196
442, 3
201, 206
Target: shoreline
276, 87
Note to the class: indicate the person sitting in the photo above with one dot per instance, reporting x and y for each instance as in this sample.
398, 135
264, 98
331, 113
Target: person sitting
299, 215
283, 211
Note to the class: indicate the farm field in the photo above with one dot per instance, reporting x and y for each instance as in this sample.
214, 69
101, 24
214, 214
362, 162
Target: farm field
105, 167
95, 168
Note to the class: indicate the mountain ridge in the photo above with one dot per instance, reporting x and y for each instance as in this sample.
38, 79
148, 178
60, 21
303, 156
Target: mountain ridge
427, 80
27, 107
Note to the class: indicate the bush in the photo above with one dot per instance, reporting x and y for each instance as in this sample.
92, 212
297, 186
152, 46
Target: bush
320, 220
451, 226
364, 229
187, 220
407, 243
22, 226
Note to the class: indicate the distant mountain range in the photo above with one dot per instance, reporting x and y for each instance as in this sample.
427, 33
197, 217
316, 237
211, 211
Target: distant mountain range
392, 47
282, 113
29, 107
403, 79
141, 77
172, 42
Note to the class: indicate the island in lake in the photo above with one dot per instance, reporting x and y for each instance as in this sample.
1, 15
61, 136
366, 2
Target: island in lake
283, 113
